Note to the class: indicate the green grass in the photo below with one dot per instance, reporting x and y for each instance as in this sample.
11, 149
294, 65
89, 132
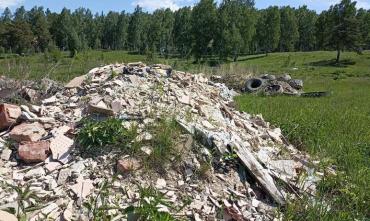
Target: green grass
165, 134
336, 128
63, 68
97, 137
309, 64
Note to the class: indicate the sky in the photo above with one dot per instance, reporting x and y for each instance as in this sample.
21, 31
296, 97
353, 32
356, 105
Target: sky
150, 5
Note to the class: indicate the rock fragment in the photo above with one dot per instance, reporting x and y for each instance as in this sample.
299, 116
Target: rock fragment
60, 147
82, 188
34, 152
100, 108
161, 183
9, 115
63, 176
34, 173
76, 82
27, 132
5, 216
127, 165
5, 154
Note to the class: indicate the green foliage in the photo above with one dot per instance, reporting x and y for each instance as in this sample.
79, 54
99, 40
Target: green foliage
102, 209
99, 205
227, 30
99, 136
150, 200
26, 200
268, 29
182, 26
135, 29
18, 36
237, 27
204, 22
53, 55
289, 35
343, 28
306, 20
165, 134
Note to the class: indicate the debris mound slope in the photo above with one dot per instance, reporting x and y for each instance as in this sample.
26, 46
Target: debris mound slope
222, 165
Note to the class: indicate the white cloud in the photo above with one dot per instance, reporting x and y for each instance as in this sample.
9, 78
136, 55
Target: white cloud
155, 4
363, 4
326, 4
9, 3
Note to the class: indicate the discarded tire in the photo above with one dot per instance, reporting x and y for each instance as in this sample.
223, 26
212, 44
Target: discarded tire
254, 85
285, 77
274, 89
269, 77
296, 84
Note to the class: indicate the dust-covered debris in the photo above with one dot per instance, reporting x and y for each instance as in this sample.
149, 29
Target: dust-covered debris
216, 162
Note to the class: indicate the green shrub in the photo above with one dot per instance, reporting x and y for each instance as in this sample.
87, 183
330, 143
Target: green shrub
147, 209
164, 138
99, 136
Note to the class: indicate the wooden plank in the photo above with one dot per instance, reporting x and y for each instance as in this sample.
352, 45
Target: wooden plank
260, 173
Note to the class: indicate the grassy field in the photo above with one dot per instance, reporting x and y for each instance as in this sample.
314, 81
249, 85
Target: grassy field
334, 129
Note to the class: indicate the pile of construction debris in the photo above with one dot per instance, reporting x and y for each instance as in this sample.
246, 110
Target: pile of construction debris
38, 149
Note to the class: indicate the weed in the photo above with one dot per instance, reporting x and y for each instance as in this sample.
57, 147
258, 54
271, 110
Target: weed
149, 205
96, 137
26, 200
99, 205
113, 74
204, 170
230, 156
188, 115
165, 133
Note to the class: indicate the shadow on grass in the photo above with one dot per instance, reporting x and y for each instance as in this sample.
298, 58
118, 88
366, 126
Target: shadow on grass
332, 63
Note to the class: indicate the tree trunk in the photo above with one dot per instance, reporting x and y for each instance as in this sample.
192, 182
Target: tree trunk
338, 56
235, 58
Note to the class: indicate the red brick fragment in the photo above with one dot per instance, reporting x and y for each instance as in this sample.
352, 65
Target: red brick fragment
34, 152
8, 115
27, 132
127, 165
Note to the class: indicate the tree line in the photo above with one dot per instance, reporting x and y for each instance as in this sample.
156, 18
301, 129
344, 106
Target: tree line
227, 30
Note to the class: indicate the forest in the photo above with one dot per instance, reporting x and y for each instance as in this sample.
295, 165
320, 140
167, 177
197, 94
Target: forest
227, 30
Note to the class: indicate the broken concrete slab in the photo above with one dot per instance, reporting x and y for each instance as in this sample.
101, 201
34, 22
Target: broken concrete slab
76, 82
117, 105
50, 100
100, 109
30, 94
5, 154
27, 132
34, 173
52, 166
5, 216
82, 188
63, 176
60, 147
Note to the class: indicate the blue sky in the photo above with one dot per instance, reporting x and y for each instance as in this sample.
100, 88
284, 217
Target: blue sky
150, 5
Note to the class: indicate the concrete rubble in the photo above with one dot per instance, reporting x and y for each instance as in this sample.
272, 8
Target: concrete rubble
45, 156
